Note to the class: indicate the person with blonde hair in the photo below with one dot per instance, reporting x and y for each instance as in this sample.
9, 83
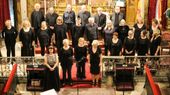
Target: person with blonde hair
138, 28
60, 31
95, 61
155, 44
80, 56
122, 30
9, 33
108, 32
37, 17
66, 59
44, 37
27, 38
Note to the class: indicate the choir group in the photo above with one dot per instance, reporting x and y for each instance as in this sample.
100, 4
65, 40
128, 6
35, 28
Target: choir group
84, 30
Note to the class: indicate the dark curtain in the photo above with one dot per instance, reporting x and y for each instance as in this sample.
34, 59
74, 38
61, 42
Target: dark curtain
4, 12
151, 10
164, 7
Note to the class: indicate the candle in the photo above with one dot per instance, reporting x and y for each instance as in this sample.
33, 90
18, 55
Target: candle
55, 2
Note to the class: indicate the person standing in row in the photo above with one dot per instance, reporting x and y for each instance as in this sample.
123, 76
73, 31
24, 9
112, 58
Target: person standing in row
138, 28
51, 17
44, 37
9, 33
69, 18
91, 30
66, 59
108, 34
80, 56
36, 18
122, 30
116, 45
84, 15
51, 62
95, 58
60, 31
27, 38
100, 20
78, 31
154, 27
116, 17
129, 46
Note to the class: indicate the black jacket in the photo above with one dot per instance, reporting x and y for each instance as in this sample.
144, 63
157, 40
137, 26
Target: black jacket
51, 19
9, 35
69, 17
36, 18
100, 20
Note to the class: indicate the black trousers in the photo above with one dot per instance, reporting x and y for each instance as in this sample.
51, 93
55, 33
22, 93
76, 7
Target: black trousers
43, 49
36, 35
81, 70
69, 29
10, 48
66, 67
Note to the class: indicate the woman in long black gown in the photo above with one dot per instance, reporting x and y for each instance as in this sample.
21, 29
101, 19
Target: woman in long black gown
116, 45
66, 59
44, 37
52, 71
129, 46
60, 31
155, 44
78, 31
95, 58
27, 37
80, 56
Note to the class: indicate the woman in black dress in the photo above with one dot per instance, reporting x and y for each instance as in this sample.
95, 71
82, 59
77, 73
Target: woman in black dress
143, 47
108, 33
60, 31
129, 46
66, 59
44, 37
95, 58
155, 42
80, 56
122, 30
9, 33
116, 45
26, 36
52, 71
138, 27
78, 31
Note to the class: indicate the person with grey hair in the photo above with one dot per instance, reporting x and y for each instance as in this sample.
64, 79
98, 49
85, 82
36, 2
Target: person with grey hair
37, 17
91, 30
116, 17
66, 59
84, 15
95, 61
69, 18
100, 20
51, 17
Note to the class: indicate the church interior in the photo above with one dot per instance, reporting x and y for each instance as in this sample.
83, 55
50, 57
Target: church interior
49, 63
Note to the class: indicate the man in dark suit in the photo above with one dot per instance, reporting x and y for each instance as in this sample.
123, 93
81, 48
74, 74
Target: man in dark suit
36, 18
117, 16
84, 15
100, 20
